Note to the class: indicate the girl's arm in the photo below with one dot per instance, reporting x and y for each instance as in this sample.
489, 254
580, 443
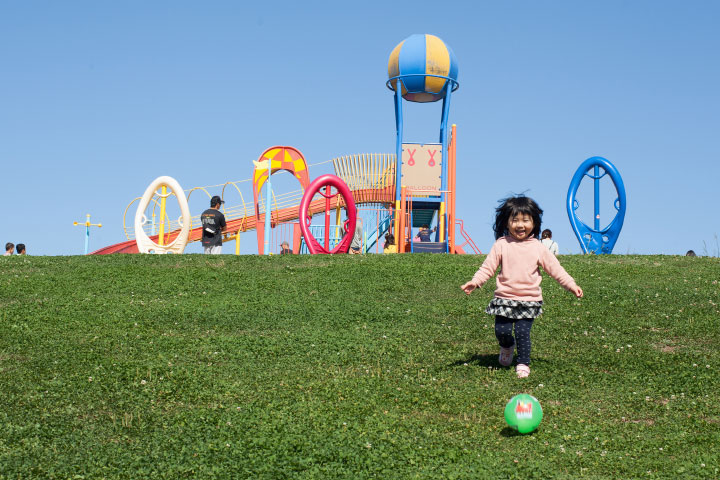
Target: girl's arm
552, 266
487, 270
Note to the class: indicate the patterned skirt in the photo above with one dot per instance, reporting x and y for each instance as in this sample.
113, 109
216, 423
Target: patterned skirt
514, 309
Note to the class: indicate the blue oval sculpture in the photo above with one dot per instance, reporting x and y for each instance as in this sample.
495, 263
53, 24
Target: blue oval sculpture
596, 240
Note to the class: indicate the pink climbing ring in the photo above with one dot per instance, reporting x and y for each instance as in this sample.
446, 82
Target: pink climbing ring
315, 187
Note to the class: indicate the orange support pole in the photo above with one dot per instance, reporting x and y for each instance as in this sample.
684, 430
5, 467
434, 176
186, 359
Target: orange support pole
297, 238
452, 197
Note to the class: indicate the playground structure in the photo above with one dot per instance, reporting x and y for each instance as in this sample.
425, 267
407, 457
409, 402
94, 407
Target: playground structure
369, 177
328, 181
398, 192
168, 186
596, 239
423, 69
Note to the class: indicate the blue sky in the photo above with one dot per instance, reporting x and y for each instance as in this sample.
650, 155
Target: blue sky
99, 98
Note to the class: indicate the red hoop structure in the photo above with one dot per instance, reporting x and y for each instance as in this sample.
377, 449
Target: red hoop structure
342, 189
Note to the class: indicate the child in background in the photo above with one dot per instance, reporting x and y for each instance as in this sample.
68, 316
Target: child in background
546, 239
424, 233
518, 297
390, 246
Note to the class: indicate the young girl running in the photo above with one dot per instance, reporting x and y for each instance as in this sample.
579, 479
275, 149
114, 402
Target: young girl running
518, 297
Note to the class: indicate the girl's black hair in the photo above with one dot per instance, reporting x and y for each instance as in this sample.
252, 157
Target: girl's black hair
511, 206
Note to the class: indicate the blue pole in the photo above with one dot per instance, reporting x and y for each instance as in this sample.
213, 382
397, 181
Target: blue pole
596, 181
412, 244
444, 141
268, 211
87, 238
399, 129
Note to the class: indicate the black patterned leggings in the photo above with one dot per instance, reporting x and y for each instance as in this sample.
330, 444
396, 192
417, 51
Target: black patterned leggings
504, 334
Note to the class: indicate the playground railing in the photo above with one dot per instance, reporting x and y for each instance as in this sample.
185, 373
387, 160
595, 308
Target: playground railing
371, 177
318, 231
376, 222
366, 171
468, 241
282, 232
383, 218
284, 200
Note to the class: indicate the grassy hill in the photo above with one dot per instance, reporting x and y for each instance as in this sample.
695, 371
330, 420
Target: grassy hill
347, 367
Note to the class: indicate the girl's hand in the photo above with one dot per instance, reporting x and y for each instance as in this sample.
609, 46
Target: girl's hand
468, 287
577, 291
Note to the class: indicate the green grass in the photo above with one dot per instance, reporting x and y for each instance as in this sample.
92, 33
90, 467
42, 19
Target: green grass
345, 367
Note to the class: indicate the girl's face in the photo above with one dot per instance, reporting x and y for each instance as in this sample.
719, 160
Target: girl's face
520, 226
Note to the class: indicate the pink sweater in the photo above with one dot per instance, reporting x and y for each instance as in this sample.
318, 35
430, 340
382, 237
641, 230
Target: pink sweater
519, 277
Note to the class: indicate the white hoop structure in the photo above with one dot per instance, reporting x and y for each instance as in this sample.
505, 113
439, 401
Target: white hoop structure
144, 244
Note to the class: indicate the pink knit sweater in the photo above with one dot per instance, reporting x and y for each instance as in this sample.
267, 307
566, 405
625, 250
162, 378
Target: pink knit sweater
519, 277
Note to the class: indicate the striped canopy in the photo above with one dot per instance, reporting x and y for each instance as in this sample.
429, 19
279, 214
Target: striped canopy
424, 63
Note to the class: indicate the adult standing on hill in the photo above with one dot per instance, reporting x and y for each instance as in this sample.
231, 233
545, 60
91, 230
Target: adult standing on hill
285, 248
357, 241
213, 222
9, 247
20, 248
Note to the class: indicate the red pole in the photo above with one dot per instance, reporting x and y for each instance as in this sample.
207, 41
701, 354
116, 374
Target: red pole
327, 217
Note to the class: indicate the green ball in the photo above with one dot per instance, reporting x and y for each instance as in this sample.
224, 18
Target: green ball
523, 413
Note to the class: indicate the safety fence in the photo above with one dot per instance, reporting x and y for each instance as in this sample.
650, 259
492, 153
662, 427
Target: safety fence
468, 241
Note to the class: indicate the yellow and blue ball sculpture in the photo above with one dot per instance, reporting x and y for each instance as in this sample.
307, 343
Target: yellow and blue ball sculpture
424, 64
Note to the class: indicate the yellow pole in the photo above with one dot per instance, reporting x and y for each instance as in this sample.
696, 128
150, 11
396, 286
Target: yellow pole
397, 224
442, 221
338, 219
163, 194
237, 242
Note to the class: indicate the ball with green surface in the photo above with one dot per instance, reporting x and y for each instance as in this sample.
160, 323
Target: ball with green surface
523, 413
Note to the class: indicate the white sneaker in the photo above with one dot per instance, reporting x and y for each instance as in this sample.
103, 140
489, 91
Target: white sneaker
506, 356
523, 371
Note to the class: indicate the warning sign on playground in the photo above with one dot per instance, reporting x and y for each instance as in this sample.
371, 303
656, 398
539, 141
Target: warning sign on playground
422, 168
